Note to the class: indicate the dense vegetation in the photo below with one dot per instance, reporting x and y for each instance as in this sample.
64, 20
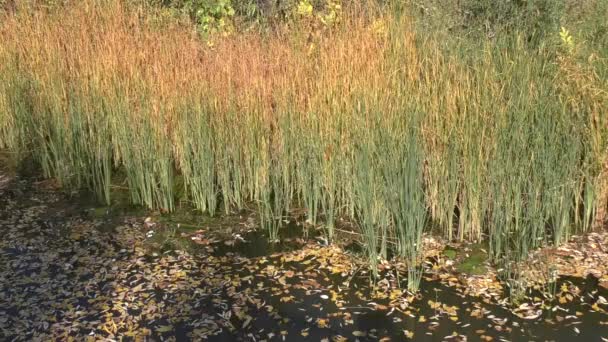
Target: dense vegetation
481, 122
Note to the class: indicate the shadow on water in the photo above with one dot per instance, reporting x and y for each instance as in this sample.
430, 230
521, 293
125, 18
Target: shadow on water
256, 243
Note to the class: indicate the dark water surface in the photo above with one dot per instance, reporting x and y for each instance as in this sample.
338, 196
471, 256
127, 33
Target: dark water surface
69, 270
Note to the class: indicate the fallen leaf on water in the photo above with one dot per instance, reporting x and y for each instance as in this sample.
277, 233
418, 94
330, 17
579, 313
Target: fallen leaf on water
247, 321
164, 328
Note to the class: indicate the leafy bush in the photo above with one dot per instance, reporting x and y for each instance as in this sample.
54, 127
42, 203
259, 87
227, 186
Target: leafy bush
208, 15
537, 18
213, 16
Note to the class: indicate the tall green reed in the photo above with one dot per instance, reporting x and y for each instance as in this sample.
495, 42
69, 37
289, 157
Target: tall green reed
374, 121
401, 163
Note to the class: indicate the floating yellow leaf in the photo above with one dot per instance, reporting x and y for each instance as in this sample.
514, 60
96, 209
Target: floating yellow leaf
287, 299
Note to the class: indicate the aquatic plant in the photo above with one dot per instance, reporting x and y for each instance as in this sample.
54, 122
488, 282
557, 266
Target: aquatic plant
375, 118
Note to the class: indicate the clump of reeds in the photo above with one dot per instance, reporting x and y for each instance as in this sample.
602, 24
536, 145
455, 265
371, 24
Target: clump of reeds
370, 119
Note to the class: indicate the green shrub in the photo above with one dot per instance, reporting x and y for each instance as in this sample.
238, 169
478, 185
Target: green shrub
475, 18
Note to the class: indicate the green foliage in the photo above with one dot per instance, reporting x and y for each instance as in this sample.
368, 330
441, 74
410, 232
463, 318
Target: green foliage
537, 19
566, 40
526, 15
209, 15
304, 9
224, 16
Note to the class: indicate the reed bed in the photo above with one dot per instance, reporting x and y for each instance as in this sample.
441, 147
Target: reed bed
373, 120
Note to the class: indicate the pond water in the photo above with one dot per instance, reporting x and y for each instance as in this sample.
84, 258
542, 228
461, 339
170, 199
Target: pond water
69, 269
438, 311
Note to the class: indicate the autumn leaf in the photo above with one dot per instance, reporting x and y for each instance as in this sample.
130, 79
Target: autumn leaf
322, 323
164, 328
